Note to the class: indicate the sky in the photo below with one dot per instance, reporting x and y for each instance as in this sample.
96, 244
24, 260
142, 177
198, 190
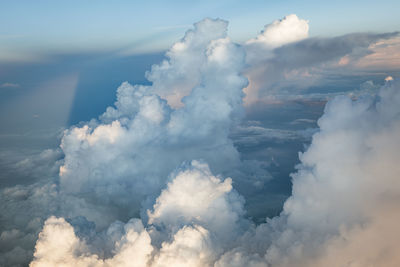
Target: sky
32, 30
200, 133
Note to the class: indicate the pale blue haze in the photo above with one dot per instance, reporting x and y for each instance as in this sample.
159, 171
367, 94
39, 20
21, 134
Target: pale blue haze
41, 27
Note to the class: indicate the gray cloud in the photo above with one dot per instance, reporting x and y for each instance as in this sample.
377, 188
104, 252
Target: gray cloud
313, 51
291, 68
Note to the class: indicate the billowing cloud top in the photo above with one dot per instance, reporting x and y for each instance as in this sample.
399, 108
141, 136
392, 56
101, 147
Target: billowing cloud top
128, 155
280, 32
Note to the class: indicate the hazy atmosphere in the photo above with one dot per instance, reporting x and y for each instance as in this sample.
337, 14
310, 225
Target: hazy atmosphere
204, 133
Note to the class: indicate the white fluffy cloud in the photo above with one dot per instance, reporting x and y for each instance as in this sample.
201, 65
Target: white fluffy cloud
194, 219
344, 203
184, 69
127, 156
59, 246
280, 32
343, 209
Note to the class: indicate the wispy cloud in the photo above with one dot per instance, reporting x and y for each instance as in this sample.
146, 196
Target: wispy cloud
173, 27
9, 85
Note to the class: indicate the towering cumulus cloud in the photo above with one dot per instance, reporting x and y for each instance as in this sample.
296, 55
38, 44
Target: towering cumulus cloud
162, 161
128, 154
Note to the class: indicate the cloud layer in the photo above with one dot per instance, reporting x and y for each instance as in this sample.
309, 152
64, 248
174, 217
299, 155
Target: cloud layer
297, 66
343, 209
158, 180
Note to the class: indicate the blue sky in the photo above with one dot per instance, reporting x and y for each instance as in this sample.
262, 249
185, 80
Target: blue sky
33, 28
